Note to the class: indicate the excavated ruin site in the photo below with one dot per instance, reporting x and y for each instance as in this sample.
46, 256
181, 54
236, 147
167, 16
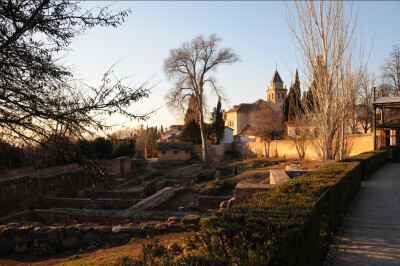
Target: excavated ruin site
55, 209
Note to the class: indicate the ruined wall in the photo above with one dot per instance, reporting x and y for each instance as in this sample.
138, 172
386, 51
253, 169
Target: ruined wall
29, 190
287, 148
117, 167
206, 203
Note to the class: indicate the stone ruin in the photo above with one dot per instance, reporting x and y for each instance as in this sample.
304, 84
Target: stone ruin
55, 209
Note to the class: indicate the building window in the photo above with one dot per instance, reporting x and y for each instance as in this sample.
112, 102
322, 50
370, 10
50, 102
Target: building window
393, 137
175, 151
163, 152
278, 95
187, 152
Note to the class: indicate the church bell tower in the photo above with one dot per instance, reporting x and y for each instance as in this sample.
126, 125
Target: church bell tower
276, 93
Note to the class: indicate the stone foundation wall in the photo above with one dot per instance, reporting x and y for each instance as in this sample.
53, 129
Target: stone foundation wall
205, 203
48, 240
30, 190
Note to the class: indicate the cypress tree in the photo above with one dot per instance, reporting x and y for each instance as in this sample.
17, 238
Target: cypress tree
292, 105
218, 123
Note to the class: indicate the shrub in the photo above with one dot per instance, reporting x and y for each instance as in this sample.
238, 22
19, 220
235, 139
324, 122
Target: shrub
290, 225
124, 261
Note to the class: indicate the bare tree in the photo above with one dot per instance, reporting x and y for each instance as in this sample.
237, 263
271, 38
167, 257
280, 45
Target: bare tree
324, 37
365, 109
391, 71
189, 67
266, 124
300, 135
38, 97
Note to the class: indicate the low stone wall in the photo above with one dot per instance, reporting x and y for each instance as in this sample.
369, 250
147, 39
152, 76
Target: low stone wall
81, 203
48, 240
206, 203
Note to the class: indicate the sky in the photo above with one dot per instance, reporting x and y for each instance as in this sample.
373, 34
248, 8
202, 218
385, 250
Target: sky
257, 31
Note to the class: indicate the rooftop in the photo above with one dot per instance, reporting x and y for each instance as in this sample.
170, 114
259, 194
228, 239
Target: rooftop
166, 146
248, 107
276, 77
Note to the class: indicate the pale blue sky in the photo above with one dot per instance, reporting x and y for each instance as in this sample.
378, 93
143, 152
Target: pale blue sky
257, 31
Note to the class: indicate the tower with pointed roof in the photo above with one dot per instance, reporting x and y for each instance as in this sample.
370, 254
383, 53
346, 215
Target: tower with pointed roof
276, 92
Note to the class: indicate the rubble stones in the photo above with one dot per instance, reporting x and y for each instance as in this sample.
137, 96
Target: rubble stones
174, 248
233, 202
162, 227
191, 219
47, 240
89, 238
224, 204
174, 219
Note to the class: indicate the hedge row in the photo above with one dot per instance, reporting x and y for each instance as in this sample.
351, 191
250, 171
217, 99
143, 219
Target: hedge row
290, 225
370, 161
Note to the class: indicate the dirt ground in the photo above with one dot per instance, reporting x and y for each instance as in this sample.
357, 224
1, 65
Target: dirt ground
103, 256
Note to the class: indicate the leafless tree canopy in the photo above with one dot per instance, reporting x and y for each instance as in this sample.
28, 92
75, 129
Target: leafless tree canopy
190, 67
38, 96
391, 71
266, 123
323, 33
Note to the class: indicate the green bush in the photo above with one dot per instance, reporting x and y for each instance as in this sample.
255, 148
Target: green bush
291, 224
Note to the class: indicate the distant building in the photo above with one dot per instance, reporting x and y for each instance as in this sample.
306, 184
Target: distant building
150, 152
174, 150
239, 117
172, 134
228, 135
276, 93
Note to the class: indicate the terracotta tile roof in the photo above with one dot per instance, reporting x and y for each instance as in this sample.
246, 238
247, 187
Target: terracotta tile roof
248, 107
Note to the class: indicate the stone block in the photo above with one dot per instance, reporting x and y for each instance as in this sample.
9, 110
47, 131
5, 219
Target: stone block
71, 243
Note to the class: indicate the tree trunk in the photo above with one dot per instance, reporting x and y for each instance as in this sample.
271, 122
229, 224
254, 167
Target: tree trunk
206, 163
265, 149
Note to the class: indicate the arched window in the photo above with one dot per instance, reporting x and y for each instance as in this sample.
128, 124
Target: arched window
278, 95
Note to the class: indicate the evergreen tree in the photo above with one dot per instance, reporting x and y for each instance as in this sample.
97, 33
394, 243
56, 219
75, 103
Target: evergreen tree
218, 123
191, 132
161, 129
191, 129
308, 99
285, 107
292, 105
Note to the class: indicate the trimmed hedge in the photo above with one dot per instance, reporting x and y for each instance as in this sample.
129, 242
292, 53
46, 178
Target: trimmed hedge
370, 161
290, 225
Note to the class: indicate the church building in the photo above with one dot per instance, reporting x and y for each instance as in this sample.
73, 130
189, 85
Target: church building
239, 117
